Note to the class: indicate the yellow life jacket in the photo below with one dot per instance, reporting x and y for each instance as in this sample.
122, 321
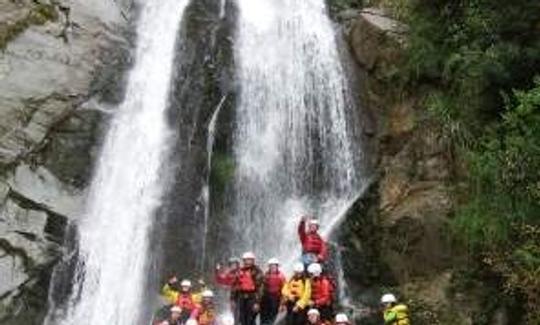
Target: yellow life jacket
402, 314
171, 295
298, 290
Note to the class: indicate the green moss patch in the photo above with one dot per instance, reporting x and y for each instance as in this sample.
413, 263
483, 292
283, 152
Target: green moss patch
39, 14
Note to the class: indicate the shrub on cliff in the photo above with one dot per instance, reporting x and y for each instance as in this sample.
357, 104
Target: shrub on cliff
473, 55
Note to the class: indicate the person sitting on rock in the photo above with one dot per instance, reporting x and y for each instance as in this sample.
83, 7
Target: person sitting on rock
322, 292
170, 290
205, 313
197, 295
296, 294
184, 298
271, 299
394, 313
314, 248
314, 317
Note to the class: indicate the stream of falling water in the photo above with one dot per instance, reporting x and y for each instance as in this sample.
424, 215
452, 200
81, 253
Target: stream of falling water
294, 142
206, 188
109, 284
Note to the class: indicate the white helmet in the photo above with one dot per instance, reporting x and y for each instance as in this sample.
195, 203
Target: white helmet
185, 283
314, 269
298, 267
207, 294
314, 221
176, 309
388, 298
342, 318
273, 261
248, 256
191, 321
313, 311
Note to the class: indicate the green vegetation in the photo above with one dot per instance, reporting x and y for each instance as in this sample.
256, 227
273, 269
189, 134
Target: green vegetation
39, 14
481, 61
222, 171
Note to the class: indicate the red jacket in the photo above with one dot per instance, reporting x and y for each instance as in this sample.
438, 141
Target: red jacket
273, 283
225, 277
321, 291
312, 242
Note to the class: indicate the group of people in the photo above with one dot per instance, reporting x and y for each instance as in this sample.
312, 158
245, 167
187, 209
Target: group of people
306, 298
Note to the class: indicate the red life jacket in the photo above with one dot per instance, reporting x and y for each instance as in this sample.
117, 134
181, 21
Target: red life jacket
185, 301
312, 242
246, 281
273, 283
321, 291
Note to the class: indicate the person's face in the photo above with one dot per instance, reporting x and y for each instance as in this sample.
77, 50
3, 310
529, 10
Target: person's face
175, 316
186, 288
313, 318
313, 228
249, 262
234, 265
273, 268
207, 301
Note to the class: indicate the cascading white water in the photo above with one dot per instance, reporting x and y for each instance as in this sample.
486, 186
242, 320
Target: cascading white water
206, 188
128, 184
294, 139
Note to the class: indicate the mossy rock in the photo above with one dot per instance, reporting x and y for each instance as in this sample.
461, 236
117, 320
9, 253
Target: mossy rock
39, 14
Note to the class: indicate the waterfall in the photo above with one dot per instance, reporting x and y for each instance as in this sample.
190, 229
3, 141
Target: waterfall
206, 188
294, 141
127, 188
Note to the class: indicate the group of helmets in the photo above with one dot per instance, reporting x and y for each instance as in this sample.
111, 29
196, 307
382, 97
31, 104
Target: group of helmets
340, 318
313, 269
205, 294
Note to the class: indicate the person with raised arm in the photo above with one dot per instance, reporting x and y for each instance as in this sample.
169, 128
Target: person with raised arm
314, 248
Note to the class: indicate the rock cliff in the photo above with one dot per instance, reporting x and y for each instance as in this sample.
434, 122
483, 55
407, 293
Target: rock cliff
398, 240
58, 59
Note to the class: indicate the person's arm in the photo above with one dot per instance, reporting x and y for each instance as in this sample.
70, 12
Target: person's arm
306, 295
169, 293
323, 254
302, 230
283, 280
285, 292
390, 316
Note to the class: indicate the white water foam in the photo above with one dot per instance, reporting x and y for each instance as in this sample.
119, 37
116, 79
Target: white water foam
128, 186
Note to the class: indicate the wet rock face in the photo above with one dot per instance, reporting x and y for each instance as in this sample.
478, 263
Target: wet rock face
52, 75
399, 235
